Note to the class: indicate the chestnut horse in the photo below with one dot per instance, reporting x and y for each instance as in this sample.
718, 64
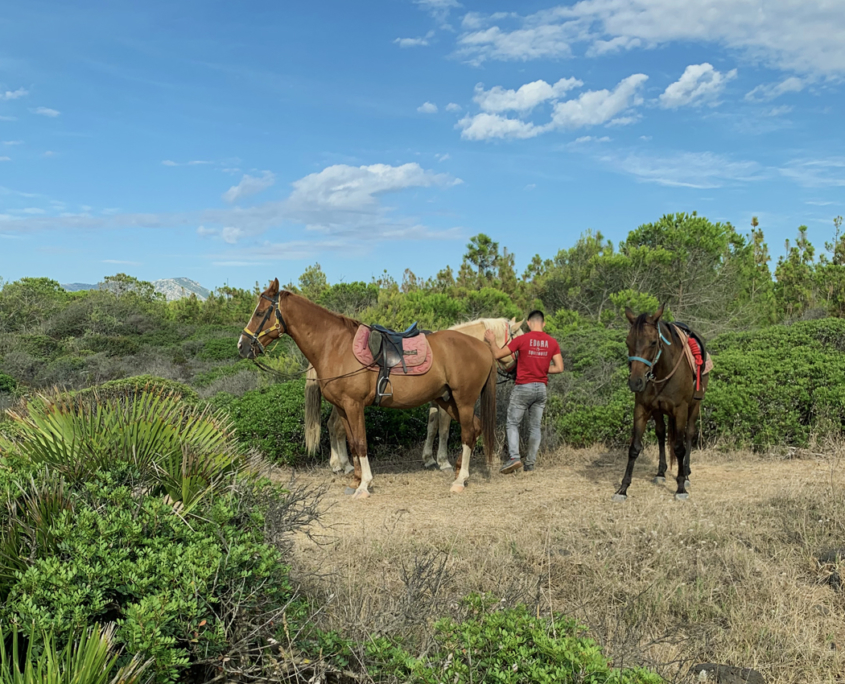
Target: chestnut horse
463, 370
664, 385
439, 420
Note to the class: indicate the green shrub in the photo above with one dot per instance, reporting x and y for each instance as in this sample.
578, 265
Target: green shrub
272, 420
220, 349
142, 383
114, 345
510, 646
7, 383
176, 589
206, 378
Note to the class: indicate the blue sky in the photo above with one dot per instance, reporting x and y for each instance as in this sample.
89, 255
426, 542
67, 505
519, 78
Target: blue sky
229, 142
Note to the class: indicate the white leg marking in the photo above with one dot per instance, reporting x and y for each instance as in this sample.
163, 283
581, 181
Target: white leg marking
366, 478
460, 481
428, 460
443, 445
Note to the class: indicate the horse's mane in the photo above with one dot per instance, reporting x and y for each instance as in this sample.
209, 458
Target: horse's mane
351, 324
488, 323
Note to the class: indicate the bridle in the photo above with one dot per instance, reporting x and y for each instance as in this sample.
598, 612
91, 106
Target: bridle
504, 373
279, 326
649, 376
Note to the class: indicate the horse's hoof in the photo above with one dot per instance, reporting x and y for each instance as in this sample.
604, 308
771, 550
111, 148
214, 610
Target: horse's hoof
348, 469
681, 497
349, 491
446, 468
619, 498
457, 488
430, 465
659, 480
686, 484
361, 494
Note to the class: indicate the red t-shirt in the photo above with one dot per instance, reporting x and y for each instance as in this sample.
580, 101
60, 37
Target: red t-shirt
536, 350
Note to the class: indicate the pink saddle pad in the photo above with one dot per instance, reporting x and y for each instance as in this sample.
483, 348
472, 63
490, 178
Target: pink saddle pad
418, 357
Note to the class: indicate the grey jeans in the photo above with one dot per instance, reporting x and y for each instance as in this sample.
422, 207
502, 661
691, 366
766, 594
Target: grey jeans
529, 398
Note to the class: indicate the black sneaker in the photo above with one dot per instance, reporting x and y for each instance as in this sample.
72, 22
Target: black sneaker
511, 466
528, 467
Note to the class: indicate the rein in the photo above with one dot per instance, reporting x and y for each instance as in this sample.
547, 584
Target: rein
652, 364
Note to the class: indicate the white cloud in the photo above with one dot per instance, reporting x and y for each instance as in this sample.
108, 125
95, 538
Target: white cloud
528, 96
442, 157
33, 211
411, 42
439, 9
684, 169
803, 37
599, 106
414, 42
779, 111
427, 108
249, 185
231, 234
49, 153
8, 118
591, 108
590, 138
46, 111
13, 94
169, 162
452, 107
13, 142
698, 84
817, 173
196, 162
202, 231
538, 42
5, 159
489, 126
769, 91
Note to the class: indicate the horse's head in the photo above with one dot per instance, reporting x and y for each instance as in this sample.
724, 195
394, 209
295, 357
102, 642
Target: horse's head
266, 324
643, 347
512, 329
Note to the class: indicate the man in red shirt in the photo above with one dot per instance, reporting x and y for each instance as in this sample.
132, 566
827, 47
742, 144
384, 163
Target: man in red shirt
538, 357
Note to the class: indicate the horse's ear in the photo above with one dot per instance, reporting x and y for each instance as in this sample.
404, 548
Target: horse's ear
630, 315
274, 286
516, 327
659, 312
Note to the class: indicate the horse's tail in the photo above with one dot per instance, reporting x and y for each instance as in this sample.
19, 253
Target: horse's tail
488, 415
313, 406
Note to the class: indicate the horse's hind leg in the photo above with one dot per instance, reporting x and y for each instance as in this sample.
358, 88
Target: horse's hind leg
444, 422
337, 437
660, 431
470, 429
431, 429
691, 425
641, 416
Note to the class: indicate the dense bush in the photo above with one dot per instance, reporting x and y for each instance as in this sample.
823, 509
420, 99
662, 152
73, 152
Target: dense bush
143, 383
125, 556
491, 645
7, 383
272, 420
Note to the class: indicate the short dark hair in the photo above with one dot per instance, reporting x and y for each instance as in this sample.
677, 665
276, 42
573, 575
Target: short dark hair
537, 314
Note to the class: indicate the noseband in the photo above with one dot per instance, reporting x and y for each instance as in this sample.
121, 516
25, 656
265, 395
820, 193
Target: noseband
279, 326
653, 363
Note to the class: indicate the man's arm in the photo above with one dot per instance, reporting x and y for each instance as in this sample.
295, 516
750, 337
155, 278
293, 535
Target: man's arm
498, 352
556, 365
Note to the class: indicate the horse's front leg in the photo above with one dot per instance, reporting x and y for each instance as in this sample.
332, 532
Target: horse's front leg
682, 443
641, 416
356, 434
660, 431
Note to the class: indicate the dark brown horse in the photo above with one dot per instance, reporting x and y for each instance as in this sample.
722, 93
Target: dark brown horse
664, 385
463, 370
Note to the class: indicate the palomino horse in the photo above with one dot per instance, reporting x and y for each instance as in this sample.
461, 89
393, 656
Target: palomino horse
438, 419
462, 370
664, 385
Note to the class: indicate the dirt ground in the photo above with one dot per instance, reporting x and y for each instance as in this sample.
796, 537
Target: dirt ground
737, 574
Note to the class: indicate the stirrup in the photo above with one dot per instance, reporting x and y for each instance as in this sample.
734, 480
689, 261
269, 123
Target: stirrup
381, 388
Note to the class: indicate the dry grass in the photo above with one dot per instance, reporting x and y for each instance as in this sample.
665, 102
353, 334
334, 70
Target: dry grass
729, 576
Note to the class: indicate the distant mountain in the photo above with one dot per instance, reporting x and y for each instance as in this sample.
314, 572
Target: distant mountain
178, 288
171, 288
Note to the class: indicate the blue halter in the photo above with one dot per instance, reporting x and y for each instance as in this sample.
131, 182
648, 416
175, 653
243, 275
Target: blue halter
652, 364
